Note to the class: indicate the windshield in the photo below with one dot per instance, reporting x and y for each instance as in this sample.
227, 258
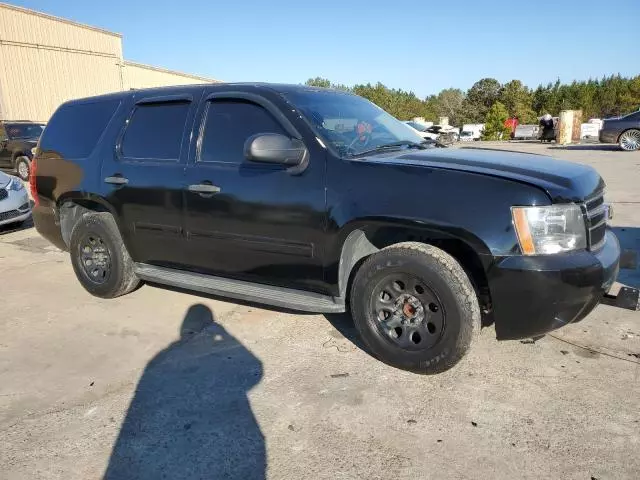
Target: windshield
350, 123
24, 130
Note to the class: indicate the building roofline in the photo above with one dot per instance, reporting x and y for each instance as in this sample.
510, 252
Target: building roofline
165, 70
58, 19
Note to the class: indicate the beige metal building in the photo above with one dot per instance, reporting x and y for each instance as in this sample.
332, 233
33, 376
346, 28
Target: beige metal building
46, 60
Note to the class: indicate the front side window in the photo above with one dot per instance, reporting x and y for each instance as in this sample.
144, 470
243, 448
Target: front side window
155, 131
350, 123
228, 125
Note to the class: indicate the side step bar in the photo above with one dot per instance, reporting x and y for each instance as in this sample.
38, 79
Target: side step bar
241, 290
627, 298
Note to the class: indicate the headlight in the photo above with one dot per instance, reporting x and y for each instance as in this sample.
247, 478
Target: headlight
549, 230
15, 184
34, 151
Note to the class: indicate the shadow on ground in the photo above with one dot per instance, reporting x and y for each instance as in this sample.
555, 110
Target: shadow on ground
190, 417
588, 146
629, 238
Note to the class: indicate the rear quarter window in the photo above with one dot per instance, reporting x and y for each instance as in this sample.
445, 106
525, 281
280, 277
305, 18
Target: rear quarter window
75, 128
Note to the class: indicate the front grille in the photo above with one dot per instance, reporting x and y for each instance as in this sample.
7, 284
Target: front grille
596, 212
9, 215
3, 193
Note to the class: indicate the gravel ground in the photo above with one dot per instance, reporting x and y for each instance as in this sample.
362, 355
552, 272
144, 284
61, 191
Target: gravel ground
161, 384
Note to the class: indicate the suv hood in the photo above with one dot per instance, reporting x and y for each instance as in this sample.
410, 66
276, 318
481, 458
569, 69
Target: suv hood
563, 181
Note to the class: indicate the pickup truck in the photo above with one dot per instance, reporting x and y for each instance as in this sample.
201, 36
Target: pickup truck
252, 192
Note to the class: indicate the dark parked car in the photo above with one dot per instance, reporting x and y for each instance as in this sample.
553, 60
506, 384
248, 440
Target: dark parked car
17, 140
251, 191
625, 131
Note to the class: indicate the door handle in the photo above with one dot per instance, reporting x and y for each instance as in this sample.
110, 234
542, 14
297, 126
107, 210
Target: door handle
204, 188
116, 180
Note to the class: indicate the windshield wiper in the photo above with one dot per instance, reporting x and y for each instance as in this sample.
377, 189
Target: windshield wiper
390, 146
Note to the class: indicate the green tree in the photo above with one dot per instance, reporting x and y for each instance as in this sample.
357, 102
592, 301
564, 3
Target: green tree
450, 104
517, 98
324, 83
480, 97
612, 95
494, 128
318, 82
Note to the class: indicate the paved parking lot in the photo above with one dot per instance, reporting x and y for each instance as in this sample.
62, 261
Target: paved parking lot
219, 390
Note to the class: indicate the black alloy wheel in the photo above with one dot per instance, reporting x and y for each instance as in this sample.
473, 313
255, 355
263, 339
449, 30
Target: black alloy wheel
95, 258
408, 312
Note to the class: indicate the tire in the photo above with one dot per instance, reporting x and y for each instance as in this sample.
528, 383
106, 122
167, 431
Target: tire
23, 167
629, 141
105, 271
439, 284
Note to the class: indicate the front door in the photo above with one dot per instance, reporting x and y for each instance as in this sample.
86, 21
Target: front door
143, 177
5, 154
259, 222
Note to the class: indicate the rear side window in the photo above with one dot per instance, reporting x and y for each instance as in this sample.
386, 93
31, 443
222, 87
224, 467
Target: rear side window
228, 125
74, 129
155, 131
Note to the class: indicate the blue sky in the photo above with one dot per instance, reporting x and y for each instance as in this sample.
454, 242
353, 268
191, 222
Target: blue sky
423, 46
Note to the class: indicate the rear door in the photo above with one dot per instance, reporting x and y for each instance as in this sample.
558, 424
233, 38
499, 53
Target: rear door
144, 177
262, 222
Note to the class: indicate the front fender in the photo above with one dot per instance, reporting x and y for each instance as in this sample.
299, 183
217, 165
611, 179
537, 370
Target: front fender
362, 237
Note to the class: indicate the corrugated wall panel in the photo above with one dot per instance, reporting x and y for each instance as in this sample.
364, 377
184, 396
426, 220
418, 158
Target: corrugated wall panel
34, 82
135, 75
23, 26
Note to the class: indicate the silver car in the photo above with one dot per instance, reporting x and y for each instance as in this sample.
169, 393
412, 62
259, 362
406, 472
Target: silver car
14, 200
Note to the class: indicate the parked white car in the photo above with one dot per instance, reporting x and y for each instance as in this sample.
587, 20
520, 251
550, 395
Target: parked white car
443, 133
466, 136
422, 130
14, 200
475, 128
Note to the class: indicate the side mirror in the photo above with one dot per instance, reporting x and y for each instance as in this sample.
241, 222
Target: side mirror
275, 148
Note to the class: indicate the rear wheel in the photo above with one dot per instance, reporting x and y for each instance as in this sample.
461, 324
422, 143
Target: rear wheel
630, 140
415, 307
100, 259
23, 167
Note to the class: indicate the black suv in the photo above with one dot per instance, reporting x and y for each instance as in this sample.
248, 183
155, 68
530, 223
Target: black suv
17, 140
317, 200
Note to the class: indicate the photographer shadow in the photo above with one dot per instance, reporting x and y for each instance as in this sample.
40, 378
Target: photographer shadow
190, 416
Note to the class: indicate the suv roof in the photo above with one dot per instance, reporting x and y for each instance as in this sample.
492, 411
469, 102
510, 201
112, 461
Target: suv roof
276, 87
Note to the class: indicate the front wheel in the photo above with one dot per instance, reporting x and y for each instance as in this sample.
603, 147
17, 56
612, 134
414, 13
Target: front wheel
415, 307
630, 140
23, 168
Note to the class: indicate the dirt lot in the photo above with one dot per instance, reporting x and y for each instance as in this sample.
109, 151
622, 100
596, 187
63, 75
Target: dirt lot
218, 390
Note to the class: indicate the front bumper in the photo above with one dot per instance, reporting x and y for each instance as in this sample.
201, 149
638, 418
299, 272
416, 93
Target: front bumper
534, 295
15, 208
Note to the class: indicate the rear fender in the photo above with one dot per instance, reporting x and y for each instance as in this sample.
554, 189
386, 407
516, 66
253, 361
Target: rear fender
71, 206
